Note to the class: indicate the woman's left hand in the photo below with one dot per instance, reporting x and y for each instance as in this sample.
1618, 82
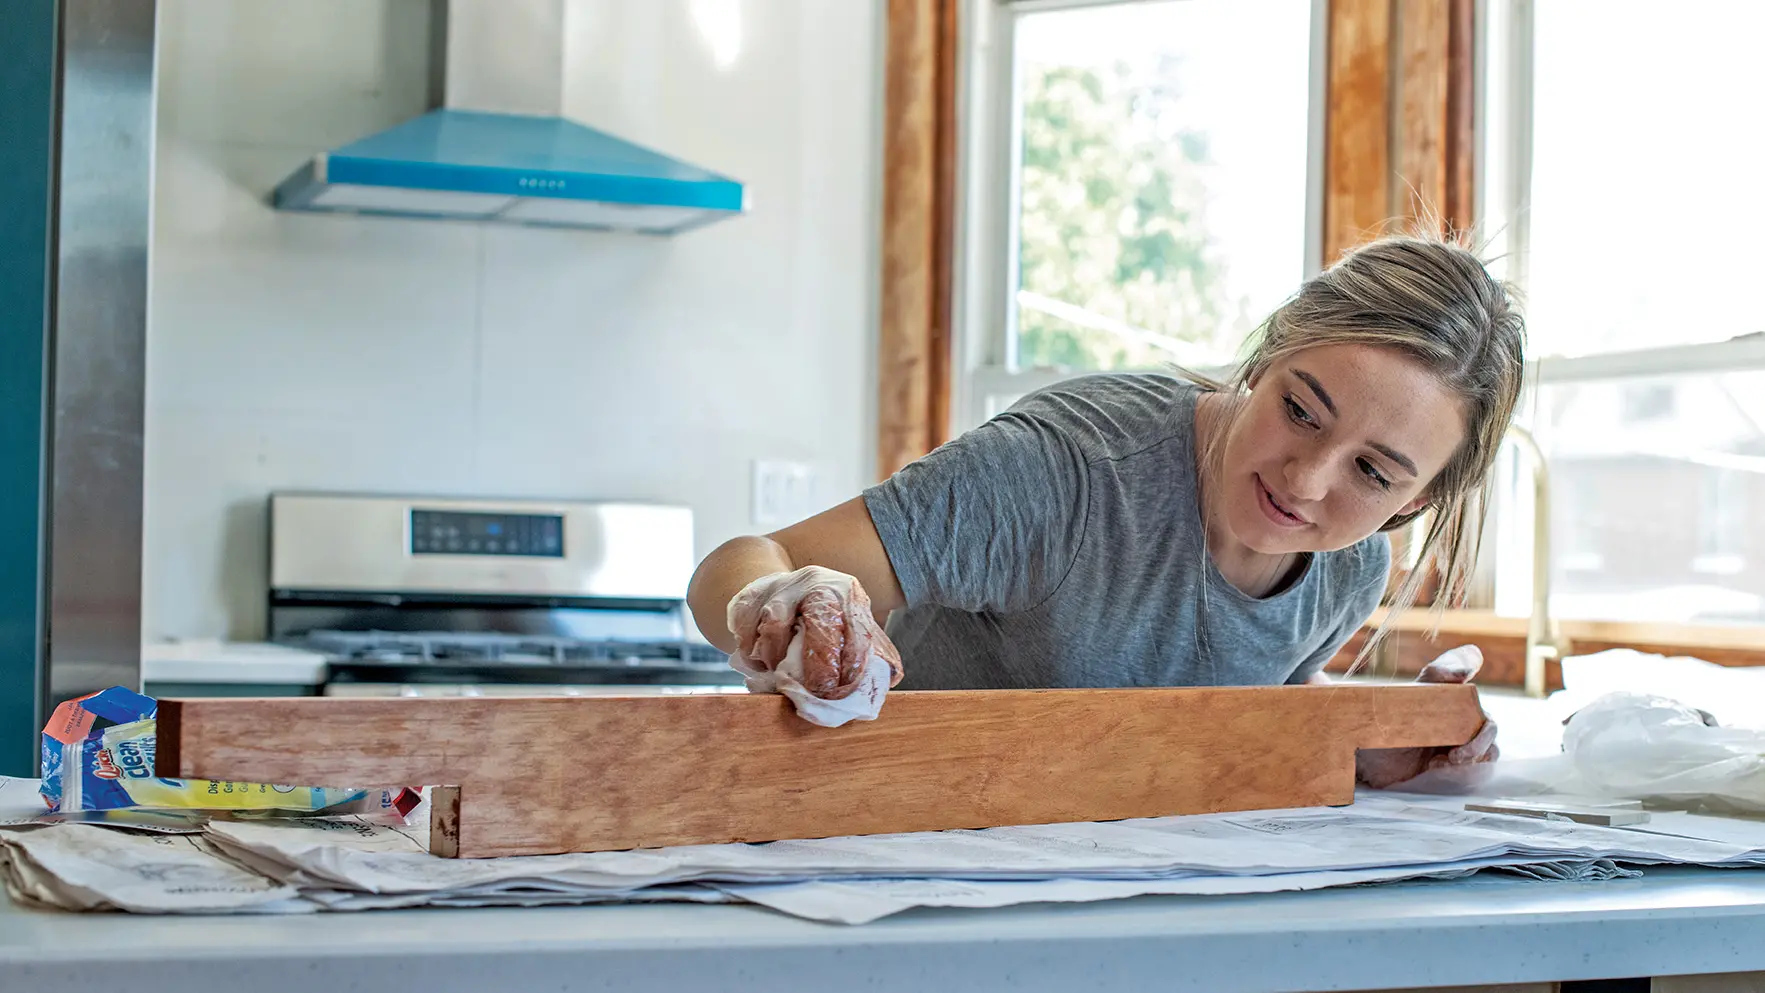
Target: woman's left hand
1464, 766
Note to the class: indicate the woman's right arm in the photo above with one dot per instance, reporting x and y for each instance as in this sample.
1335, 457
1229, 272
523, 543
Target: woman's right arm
842, 539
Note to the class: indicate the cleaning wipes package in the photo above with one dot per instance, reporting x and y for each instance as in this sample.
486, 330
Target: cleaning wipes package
98, 755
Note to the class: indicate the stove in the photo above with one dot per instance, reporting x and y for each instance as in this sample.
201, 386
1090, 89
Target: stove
473, 648
449, 596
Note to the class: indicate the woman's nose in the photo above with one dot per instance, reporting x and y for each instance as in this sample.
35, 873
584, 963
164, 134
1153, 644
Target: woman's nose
1307, 478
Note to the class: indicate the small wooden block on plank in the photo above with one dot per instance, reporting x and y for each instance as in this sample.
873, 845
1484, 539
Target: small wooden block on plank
527, 776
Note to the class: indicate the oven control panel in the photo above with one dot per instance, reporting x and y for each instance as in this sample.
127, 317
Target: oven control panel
453, 532
433, 545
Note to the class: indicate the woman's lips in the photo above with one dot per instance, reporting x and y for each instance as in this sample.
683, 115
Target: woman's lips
1274, 511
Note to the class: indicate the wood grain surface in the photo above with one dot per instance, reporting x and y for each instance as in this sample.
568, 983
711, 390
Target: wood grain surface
1357, 147
1423, 68
918, 231
545, 775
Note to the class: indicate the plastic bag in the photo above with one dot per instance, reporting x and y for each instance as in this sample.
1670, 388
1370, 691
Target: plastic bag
1633, 746
1637, 746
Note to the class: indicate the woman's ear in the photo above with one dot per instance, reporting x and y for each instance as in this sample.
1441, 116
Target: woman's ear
1411, 508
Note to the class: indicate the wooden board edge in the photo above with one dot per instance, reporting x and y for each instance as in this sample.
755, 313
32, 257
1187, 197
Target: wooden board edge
444, 821
168, 734
1338, 791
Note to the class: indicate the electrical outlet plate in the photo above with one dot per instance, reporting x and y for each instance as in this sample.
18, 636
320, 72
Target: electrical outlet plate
783, 492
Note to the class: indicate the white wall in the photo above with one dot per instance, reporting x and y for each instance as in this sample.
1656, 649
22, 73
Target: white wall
338, 353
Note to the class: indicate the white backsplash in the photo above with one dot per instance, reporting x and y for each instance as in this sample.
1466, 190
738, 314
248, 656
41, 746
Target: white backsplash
381, 355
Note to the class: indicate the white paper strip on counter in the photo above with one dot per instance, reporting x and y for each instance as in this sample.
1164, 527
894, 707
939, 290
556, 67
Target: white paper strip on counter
863, 901
94, 868
1374, 835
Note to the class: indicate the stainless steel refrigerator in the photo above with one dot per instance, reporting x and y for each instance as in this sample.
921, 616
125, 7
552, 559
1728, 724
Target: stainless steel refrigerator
76, 154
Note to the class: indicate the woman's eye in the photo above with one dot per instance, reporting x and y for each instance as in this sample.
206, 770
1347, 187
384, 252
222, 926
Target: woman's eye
1372, 472
1297, 412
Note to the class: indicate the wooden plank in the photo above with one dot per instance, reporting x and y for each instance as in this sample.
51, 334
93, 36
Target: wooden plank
919, 197
1357, 147
588, 774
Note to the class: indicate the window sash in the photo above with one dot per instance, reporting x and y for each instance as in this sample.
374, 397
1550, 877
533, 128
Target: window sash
1505, 91
987, 230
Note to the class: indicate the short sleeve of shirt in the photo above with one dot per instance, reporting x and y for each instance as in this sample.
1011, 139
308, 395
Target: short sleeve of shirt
1373, 571
991, 521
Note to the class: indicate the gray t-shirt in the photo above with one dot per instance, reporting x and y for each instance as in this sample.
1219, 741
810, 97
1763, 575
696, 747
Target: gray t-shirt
1060, 544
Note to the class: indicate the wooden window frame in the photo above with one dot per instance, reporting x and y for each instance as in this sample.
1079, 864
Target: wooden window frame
915, 353
1401, 127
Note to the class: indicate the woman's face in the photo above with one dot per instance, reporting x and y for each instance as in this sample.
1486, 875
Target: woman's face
1332, 442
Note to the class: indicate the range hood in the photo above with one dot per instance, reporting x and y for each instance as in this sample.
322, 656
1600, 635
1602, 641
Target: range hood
500, 149
514, 168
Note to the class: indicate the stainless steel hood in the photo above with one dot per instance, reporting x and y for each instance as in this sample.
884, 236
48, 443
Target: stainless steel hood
501, 150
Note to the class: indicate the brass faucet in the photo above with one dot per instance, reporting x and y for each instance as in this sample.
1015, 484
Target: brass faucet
1543, 641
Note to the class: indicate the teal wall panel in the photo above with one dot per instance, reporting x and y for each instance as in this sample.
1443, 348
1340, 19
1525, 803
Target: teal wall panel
27, 143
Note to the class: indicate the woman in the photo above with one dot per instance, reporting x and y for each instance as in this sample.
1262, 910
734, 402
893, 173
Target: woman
1147, 530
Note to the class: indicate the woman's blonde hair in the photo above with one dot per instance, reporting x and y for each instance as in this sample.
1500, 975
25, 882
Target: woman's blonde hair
1433, 300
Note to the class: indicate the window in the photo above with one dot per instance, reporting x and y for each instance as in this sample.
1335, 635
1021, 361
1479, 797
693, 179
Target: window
1618, 132
1648, 519
1647, 402
1163, 192
1723, 530
1645, 121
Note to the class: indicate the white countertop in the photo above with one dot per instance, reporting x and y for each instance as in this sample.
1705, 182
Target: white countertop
214, 661
1479, 930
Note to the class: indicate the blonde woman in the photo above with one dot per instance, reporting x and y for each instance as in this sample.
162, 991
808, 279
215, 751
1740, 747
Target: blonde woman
1124, 530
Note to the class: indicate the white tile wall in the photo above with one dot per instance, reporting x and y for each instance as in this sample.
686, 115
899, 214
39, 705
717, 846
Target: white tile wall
297, 351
